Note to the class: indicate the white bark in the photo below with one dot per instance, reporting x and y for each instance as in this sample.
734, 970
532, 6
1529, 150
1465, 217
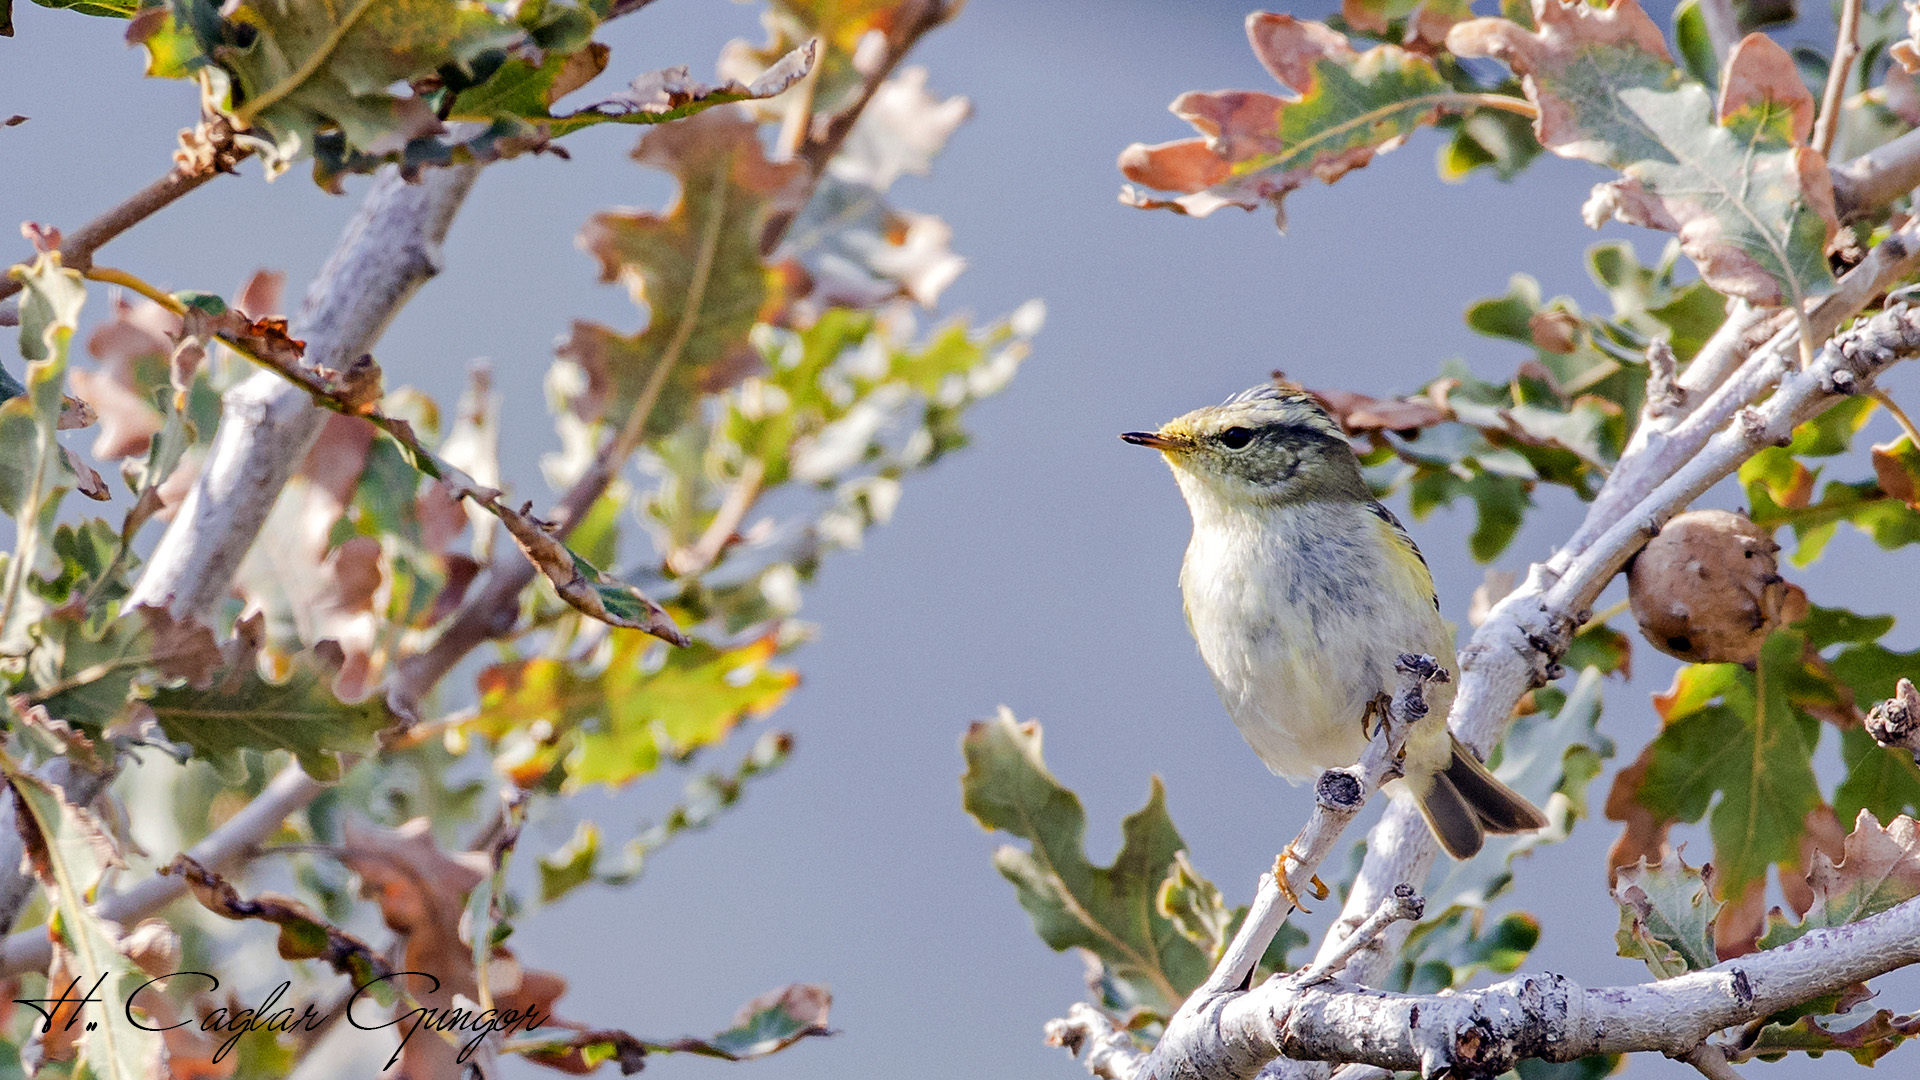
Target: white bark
1484, 1032
389, 250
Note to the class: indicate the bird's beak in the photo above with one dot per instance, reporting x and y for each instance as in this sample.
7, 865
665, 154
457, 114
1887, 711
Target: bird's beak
1156, 440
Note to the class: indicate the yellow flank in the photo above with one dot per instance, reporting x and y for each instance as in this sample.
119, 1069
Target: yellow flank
1303, 592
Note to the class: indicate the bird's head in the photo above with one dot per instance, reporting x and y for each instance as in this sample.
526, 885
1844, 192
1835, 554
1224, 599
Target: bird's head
1271, 444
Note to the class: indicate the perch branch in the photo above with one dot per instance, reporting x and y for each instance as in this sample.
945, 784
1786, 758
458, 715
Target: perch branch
1484, 1032
1877, 177
1338, 796
1518, 646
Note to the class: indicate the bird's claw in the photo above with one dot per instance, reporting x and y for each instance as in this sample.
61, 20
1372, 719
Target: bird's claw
1314, 885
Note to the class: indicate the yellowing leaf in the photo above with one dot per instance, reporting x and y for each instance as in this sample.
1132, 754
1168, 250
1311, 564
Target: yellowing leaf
696, 268
611, 721
1751, 202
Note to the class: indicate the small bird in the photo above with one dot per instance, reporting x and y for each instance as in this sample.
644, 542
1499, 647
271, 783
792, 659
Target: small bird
1303, 591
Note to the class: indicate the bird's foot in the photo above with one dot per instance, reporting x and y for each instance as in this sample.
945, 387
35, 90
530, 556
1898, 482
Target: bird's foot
1374, 717
1280, 871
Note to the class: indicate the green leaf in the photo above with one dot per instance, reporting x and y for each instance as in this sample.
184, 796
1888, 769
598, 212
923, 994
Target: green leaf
1341, 108
34, 468
84, 674
1879, 780
775, 1021
1666, 916
241, 711
1696, 46
301, 68
68, 852
1750, 200
1111, 911
1754, 749
611, 718
110, 9
1194, 906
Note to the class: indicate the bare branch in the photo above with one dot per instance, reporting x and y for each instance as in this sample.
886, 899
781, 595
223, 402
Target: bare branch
1111, 1055
387, 252
1402, 906
1846, 49
205, 152
1877, 177
1484, 1032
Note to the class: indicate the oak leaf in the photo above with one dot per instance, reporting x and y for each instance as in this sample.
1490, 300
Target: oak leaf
1751, 202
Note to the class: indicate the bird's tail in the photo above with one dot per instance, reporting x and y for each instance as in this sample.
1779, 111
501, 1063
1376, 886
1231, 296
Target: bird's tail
1464, 803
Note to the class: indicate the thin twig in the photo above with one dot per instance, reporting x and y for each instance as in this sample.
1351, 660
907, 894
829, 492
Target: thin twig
1339, 795
1899, 415
1710, 1061
1402, 906
1846, 48
1723, 27
492, 610
207, 151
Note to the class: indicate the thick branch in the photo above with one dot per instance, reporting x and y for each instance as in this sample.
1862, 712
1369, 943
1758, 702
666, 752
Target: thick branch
1484, 1032
389, 250
1877, 177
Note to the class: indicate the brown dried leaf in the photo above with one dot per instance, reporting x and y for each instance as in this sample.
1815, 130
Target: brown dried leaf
183, 648
1359, 412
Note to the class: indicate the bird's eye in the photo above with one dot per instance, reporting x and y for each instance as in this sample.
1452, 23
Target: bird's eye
1235, 438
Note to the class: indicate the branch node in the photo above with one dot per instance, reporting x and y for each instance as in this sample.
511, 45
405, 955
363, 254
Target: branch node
1403, 904
1340, 791
1895, 722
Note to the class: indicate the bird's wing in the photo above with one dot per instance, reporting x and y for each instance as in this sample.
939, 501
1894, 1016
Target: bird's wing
1400, 533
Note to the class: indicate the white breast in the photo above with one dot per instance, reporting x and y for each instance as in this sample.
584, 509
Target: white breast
1292, 609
